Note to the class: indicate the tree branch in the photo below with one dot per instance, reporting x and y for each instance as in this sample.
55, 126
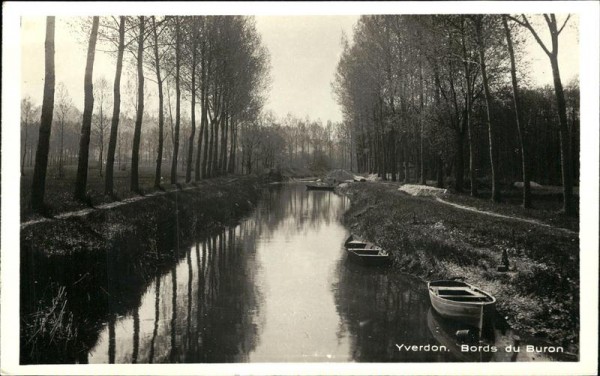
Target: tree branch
564, 24
535, 35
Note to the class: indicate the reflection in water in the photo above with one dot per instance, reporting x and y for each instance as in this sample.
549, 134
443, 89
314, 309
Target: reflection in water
111, 340
381, 310
444, 331
201, 311
277, 287
156, 317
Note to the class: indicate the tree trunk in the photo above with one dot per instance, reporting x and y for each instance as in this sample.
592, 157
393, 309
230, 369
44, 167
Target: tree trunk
161, 114
233, 147
188, 172
88, 107
177, 103
209, 163
25, 145
41, 157
61, 172
488, 119
114, 127
422, 178
101, 147
440, 170
223, 151
199, 170
467, 115
205, 136
518, 118
459, 166
215, 157
137, 132
565, 144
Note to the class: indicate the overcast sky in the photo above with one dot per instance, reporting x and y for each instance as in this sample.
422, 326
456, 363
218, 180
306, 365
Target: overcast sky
304, 53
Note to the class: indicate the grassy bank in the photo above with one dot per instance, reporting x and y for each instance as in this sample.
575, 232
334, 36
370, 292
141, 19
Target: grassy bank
86, 269
59, 190
538, 296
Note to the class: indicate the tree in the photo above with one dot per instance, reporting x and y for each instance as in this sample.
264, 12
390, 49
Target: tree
27, 113
101, 89
114, 127
479, 26
177, 22
518, 116
161, 115
137, 131
63, 108
193, 46
565, 142
88, 107
41, 155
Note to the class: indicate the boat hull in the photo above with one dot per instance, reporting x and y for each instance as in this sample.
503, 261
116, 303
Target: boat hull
311, 187
473, 313
369, 259
365, 253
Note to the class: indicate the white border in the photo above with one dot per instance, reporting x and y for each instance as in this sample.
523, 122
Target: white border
11, 74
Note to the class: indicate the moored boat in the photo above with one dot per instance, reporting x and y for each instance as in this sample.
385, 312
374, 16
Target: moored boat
462, 302
365, 252
320, 187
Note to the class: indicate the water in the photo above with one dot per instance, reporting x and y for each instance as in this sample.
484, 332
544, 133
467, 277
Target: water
278, 287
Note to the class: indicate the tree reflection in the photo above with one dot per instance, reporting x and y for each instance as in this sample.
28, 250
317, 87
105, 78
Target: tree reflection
381, 309
104, 289
156, 318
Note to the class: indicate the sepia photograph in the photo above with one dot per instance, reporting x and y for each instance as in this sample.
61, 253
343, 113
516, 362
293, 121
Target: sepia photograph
296, 188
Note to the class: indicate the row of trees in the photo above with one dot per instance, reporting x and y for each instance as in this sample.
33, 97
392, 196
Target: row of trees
425, 94
64, 138
217, 63
293, 143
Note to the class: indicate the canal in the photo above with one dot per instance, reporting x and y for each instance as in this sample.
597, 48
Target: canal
278, 287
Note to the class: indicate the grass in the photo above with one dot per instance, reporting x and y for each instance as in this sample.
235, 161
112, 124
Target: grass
540, 293
546, 205
59, 191
82, 254
50, 327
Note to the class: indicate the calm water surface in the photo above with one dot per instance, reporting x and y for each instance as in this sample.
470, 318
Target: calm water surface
279, 288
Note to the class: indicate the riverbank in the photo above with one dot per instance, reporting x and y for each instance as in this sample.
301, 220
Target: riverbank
538, 296
68, 265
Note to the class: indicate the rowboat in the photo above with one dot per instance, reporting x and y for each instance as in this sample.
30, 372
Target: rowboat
365, 252
320, 187
462, 302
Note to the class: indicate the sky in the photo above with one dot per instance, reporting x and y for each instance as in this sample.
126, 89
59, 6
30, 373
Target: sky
304, 52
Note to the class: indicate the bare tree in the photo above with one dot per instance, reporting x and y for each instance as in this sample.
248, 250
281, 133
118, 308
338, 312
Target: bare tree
192, 44
88, 107
101, 91
518, 116
62, 111
177, 23
135, 149
114, 127
479, 31
161, 114
565, 142
41, 155
27, 112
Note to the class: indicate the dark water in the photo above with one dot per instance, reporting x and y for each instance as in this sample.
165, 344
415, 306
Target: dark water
279, 288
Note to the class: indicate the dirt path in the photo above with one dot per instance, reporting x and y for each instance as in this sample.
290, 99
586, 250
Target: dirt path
492, 214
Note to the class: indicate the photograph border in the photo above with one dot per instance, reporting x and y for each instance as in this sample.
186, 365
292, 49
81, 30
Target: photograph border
588, 12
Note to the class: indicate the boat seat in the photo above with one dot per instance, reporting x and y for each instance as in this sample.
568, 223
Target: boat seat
446, 292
